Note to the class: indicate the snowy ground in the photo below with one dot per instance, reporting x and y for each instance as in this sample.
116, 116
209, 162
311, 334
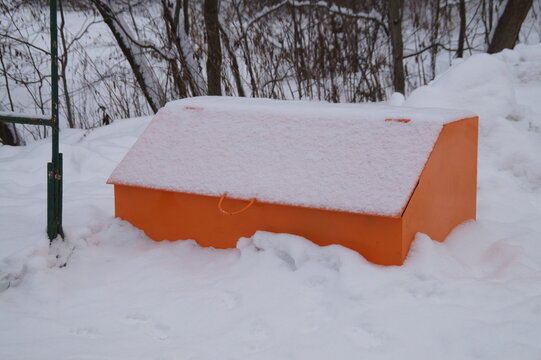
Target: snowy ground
122, 296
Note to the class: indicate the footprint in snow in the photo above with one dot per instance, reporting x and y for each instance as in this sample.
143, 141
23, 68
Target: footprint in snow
259, 330
160, 331
364, 337
258, 337
229, 299
316, 283
136, 318
155, 329
87, 332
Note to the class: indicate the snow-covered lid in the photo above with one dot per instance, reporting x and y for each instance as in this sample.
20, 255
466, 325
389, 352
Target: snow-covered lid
363, 158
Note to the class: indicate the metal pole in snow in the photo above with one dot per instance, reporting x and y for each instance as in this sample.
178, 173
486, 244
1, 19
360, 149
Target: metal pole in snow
54, 168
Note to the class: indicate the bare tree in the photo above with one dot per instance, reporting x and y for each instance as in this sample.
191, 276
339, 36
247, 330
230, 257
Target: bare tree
7, 136
506, 33
180, 47
146, 78
395, 10
214, 47
235, 70
462, 31
63, 59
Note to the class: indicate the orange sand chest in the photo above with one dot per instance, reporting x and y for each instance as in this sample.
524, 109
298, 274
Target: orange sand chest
400, 171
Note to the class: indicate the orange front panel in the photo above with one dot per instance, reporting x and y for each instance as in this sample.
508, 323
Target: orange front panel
447, 190
166, 215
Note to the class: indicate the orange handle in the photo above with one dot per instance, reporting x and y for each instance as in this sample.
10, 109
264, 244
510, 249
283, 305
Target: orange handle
233, 212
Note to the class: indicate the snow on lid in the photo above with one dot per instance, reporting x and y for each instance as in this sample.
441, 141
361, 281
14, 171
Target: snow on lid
358, 158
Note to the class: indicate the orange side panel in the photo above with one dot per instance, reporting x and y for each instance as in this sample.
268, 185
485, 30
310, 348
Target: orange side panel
166, 215
447, 189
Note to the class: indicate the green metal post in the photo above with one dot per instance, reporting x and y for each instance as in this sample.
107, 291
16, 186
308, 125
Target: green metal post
51, 229
54, 198
60, 194
54, 81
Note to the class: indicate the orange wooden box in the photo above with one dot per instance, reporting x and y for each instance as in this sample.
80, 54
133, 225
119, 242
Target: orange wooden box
444, 197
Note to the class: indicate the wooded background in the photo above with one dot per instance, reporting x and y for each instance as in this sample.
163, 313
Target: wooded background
127, 58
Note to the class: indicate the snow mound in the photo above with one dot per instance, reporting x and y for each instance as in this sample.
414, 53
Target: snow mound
496, 87
278, 296
351, 157
482, 84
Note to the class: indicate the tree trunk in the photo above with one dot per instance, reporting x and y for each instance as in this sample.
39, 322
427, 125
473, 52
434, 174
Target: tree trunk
234, 63
436, 20
214, 48
6, 136
462, 33
141, 69
506, 33
63, 66
394, 14
180, 38
186, 16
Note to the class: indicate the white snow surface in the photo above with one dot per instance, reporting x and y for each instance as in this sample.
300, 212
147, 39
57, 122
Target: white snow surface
334, 156
277, 296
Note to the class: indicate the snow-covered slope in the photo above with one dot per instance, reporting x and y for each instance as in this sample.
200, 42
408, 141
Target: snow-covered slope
122, 296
